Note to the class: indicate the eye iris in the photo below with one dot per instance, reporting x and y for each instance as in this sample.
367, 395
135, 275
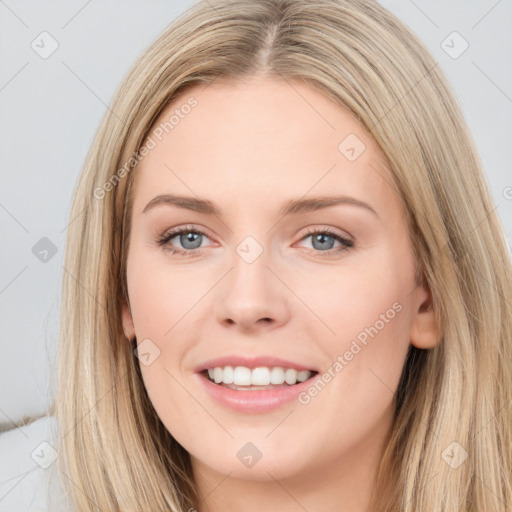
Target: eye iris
191, 237
321, 237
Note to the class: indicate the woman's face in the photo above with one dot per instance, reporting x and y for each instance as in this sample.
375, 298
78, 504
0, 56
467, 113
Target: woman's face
305, 264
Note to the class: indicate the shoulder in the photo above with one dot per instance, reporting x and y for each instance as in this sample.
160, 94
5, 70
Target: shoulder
28, 467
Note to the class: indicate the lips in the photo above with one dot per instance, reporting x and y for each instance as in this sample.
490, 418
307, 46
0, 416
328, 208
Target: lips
248, 397
251, 400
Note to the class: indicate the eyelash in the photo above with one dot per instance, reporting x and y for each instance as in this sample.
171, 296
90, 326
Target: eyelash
169, 235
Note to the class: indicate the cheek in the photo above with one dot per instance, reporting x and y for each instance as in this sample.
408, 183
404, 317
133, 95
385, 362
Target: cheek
365, 354
163, 300
347, 300
363, 315
160, 295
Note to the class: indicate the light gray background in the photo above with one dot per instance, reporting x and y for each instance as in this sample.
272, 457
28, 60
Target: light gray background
50, 109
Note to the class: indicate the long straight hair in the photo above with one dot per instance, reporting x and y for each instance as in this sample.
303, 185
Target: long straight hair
452, 399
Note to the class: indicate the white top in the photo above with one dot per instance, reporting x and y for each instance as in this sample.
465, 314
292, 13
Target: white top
29, 479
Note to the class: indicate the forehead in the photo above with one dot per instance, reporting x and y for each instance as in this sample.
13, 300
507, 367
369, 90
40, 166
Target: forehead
245, 139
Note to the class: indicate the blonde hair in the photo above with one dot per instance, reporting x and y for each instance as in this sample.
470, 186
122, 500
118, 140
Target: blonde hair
113, 446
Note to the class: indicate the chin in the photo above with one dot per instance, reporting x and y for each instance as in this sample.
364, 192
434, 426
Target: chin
256, 461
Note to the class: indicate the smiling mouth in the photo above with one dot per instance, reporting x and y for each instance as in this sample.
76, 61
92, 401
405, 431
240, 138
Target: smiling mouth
243, 379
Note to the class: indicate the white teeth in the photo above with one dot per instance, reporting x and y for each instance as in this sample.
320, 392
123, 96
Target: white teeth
228, 375
217, 375
277, 375
260, 376
303, 375
241, 376
290, 376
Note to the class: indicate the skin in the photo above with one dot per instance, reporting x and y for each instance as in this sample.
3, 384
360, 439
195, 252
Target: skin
249, 147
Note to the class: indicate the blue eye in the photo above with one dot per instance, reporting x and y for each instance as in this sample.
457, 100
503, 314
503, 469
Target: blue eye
323, 240
191, 238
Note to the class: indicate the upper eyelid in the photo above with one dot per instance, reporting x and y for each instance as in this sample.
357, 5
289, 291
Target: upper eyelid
310, 230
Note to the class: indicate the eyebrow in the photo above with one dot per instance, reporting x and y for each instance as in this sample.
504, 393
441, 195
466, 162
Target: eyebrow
292, 207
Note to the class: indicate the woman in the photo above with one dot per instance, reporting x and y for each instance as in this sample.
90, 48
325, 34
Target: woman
286, 284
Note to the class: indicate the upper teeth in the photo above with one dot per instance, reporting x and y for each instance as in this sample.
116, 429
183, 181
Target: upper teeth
261, 376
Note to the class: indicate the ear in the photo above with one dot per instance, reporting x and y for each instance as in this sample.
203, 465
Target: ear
126, 315
424, 331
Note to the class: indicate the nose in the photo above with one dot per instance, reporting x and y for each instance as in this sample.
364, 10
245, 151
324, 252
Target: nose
252, 297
